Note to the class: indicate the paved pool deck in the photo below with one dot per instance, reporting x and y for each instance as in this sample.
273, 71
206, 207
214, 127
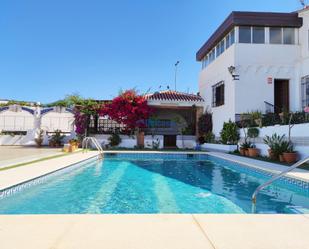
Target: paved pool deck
153, 231
275, 168
168, 231
11, 155
24, 173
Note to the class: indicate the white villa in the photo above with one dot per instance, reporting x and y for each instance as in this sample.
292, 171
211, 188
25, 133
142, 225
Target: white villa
256, 61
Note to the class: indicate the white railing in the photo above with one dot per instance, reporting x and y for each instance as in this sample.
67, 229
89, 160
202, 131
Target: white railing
85, 144
274, 178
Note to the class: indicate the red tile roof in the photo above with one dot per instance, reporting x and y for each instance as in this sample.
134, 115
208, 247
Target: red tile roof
174, 96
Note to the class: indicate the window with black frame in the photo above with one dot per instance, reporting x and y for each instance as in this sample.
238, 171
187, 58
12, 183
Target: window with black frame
305, 91
218, 94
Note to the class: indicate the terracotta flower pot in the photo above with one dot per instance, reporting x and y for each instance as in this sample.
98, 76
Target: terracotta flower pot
242, 151
271, 155
141, 139
253, 152
281, 158
290, 157
247, 152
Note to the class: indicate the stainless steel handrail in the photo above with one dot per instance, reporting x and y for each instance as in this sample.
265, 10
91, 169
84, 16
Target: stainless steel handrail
274, 178
95, 142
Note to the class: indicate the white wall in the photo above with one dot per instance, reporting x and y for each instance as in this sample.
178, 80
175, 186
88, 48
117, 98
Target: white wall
255, 63
16, 121
25, 121
185, 142
130, 141
299, 137
215, 72
63, 121
182, 142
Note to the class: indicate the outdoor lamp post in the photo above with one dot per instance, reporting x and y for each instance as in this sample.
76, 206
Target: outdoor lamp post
176, 66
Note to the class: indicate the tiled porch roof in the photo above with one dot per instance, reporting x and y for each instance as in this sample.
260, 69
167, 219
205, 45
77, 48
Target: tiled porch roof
170, 95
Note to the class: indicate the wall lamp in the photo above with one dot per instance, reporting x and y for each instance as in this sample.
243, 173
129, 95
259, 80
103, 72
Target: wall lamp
232, 71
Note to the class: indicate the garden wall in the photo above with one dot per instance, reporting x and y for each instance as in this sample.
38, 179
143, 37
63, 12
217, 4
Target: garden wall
187, 142
130, 141
299, 137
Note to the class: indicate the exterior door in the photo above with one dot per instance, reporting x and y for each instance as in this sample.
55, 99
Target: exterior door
169, 141
282, 96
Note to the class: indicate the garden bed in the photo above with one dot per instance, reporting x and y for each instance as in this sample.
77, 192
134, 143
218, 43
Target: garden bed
267, 159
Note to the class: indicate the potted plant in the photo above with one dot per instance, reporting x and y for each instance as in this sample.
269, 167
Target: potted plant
114, 140
273, 143
140, 139
280, 148
252, 150
257, 117
40, 138
56, 139
290, 156
74, 144
243, 150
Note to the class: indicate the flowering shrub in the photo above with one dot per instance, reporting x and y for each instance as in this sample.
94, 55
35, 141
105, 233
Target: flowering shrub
82, 112
81, 122
306, 109
129, 109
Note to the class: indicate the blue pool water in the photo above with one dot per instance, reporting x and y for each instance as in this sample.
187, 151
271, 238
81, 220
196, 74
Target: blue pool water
155, 185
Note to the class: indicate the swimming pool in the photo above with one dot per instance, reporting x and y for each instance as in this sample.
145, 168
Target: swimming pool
154, 183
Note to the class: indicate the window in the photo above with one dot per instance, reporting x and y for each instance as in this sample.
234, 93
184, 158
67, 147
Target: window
227, 41
258, 35
288, 36
220, 48
305, 91
275, 35
245, 34
218, 94
158, 123
232, 37
212, 56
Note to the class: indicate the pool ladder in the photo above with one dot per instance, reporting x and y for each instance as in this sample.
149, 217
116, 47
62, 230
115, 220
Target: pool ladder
85, 144
274, 178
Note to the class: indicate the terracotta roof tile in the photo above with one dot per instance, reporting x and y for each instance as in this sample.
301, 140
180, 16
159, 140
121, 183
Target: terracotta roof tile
174, 96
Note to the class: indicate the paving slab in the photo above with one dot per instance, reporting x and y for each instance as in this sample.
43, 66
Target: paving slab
21, 174
101, 231
11, 155
256, 231
271, 167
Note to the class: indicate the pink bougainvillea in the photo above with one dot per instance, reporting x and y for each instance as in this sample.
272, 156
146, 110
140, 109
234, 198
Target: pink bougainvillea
306, 109
129, 109
81, 122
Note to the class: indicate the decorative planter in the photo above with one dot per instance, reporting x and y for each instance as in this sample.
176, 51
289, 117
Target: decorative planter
246, 152
290, 157
281, 158
242, 151
271, 155
219, 147
141, 139
253, 152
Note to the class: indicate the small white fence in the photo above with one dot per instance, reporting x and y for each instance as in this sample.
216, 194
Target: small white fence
28, 119
11, 121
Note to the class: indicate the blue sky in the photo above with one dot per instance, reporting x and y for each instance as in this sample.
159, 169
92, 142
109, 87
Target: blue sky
52, 48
